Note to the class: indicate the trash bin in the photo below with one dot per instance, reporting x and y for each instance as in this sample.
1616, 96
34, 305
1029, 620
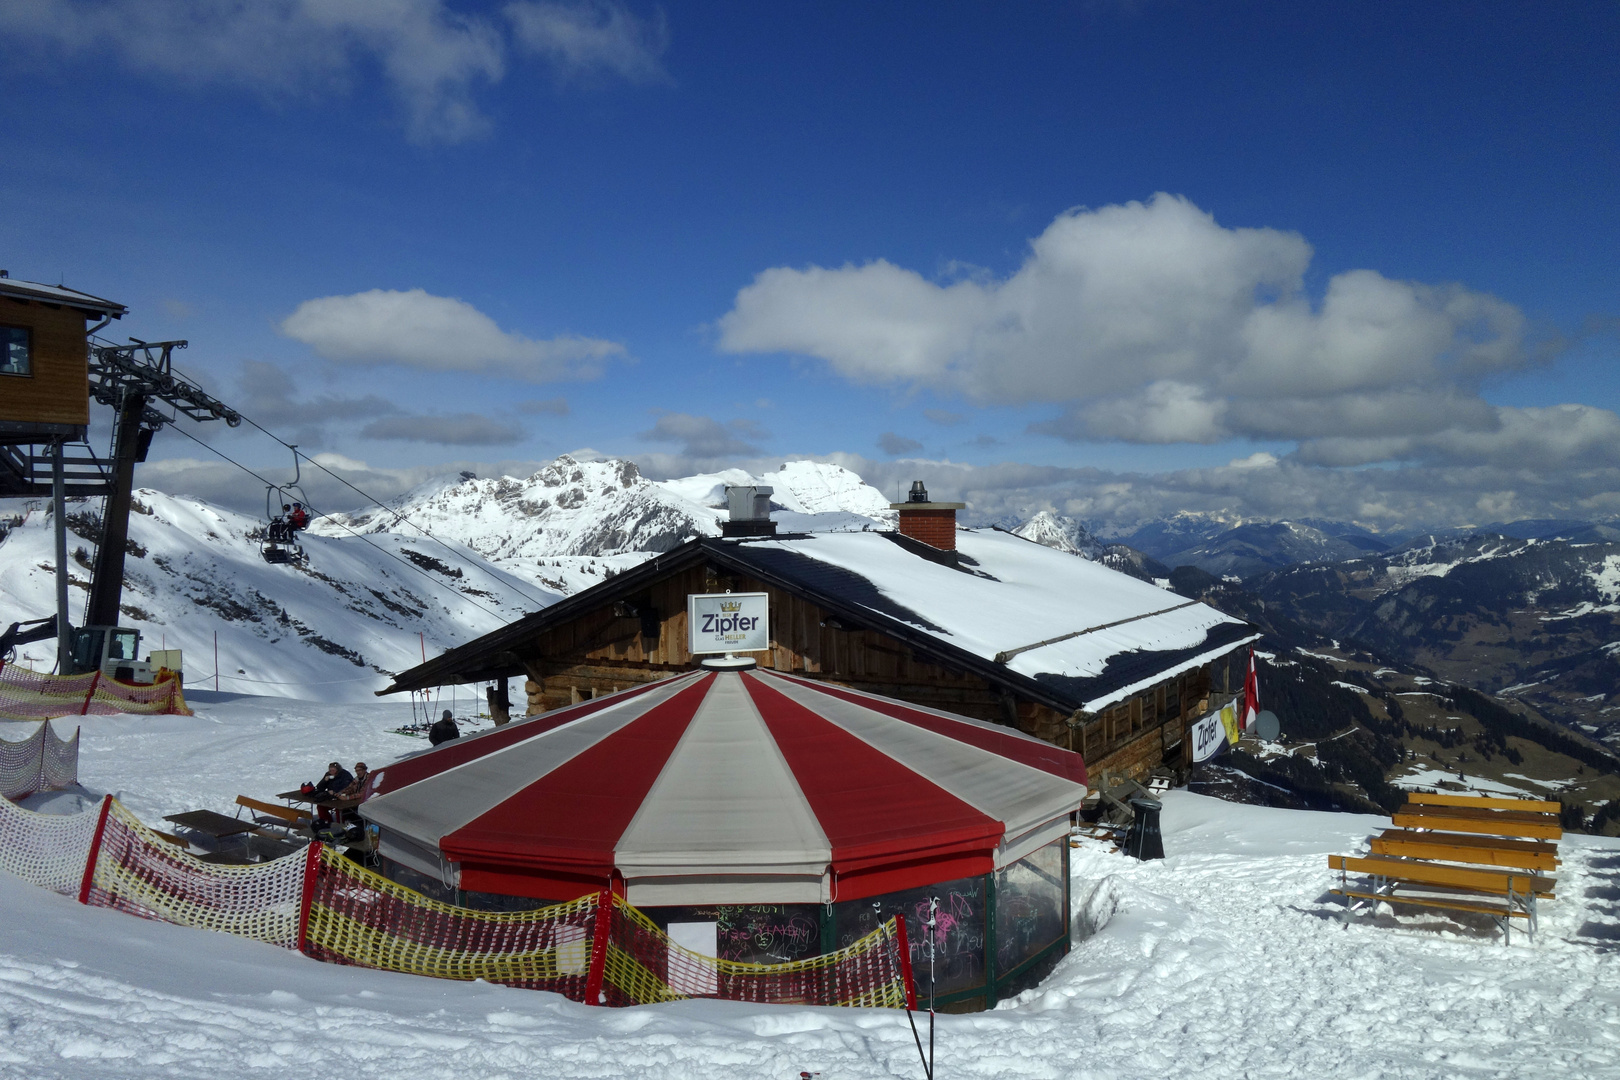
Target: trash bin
1144, 840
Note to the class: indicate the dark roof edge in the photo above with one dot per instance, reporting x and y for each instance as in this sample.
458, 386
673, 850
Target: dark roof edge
495, 642
52, 294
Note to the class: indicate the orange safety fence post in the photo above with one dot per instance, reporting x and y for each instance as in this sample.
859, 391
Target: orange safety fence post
90, 694
599, 947
95, 850
905, 961
312, 867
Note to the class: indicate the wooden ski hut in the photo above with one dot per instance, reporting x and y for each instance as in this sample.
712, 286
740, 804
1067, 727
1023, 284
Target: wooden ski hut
974, 621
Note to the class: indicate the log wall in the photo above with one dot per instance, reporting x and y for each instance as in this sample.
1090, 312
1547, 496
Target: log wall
644, 639
58, 391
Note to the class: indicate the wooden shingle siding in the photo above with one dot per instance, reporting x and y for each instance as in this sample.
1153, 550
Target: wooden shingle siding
58, 391
601, 651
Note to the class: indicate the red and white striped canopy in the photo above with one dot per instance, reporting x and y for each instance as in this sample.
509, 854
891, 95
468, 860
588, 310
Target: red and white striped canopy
726, 787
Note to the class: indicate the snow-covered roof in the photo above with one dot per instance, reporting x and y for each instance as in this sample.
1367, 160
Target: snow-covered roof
1056, 627
61, 294
1067, 622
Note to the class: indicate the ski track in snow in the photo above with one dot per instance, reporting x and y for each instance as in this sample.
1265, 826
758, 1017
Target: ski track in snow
1228, 959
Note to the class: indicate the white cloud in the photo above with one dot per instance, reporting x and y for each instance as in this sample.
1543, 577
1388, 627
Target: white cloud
1149, 322
268, 396
544, 406
706, 439
457, 429
595, 35
438, 333
1258, 487
895, 445
433, 57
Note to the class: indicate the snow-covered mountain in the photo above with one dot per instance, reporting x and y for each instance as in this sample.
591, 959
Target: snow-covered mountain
1532, 619
446, 562
1062, 533
1178, 532
362, 606
574, 520
1257, 547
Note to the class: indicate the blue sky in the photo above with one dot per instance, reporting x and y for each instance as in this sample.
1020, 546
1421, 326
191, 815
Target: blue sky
916, 239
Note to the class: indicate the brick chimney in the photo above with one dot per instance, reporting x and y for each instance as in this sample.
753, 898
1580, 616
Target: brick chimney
932, 523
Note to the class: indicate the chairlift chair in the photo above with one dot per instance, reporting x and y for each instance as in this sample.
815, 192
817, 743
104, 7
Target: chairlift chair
278, 544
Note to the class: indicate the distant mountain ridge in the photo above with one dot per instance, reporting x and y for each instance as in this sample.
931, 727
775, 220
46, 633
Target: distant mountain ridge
1538, 620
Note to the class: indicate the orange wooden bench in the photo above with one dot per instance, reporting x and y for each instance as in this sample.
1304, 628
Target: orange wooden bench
1466, 848
1454, 888
266, 813
1481, 820
1460, 853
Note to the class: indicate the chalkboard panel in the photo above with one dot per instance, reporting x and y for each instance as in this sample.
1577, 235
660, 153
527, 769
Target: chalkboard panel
1029, 906
754, 933
958, 938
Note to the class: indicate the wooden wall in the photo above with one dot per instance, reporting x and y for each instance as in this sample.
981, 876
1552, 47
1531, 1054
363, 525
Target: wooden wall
606, 650
58, 392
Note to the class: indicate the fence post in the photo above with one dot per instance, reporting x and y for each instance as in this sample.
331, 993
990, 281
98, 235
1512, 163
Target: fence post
94, 682
599, 947
905, 960
95, 851
312, 867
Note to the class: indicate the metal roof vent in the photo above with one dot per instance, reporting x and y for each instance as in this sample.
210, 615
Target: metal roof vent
750, 507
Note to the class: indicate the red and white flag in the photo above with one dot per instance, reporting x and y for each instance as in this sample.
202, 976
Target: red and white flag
1251, 694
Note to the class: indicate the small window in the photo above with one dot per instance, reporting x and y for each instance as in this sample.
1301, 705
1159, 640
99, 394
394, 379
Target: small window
122, 646
16, 350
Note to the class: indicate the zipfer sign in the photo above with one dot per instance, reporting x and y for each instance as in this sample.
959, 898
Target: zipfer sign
728, 622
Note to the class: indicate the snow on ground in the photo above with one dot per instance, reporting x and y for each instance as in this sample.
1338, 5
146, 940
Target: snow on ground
1227, 959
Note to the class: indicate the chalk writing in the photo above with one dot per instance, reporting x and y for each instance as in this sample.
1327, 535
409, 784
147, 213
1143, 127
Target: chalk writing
958, 937
1029, 906
755, 933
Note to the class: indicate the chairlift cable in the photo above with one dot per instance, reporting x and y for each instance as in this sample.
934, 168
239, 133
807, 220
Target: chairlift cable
359, 536
364, 495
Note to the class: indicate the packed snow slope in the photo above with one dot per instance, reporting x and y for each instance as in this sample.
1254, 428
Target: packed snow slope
1227, 959
334, 627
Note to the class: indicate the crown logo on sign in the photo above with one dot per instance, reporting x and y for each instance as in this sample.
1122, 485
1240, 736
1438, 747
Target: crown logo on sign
731, 605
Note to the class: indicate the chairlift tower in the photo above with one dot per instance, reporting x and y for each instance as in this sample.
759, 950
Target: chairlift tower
131, 378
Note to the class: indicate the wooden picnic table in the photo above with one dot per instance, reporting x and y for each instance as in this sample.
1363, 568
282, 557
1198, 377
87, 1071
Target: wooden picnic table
214, 824
319, 799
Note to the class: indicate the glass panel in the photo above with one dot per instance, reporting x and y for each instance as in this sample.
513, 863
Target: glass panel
122, 646
1029, 906
959, 932
87, 649
15, 358
753, 933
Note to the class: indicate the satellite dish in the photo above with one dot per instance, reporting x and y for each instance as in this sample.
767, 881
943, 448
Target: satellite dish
1267, 726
